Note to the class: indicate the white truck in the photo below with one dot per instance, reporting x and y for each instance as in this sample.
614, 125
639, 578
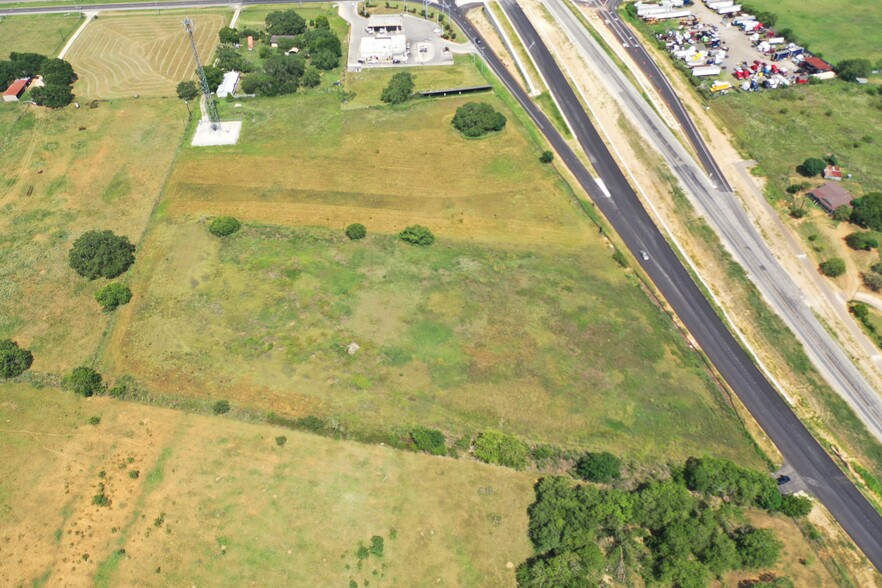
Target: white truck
706, 70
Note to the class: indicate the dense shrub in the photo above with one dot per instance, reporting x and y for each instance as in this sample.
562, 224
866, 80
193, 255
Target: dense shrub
429, 440
796, 506
852, 69
502, 449
220, 407
399, 89
113, 295
833, 267
14, 360
356, 231
474, 119
758, 548
417, 235
84, 381
546, 157
281, 440
861, 240
843, 213
812, 167
723, 478
224, 226
872, 280
311, 78
101, 254
600, 467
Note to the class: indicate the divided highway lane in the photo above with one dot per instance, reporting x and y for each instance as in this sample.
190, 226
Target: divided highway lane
630, 220
636, 228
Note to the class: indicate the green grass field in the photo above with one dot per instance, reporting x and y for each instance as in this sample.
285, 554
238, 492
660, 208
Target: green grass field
62, 173
44, 34
781, 129
125, 55
840, 29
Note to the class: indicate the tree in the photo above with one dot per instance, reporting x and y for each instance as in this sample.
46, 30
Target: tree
188, 90
223, 226
325, 60
101, 254
284, 22
260, 84
872, 280
321, 22
285, 44
429, 440
58, 72
285, 69
546, 157
833, 267
502, 449
227, 58
26, 65
796, 506
228, 35
600, 467
867, 211
356, 231
812, 167
318, 40
14, 360
851, 69
399, 89
54, 96
113, 295
758, 548
214, 76
860, 310
843, 213
311, 77
474, 119
83, 381
417, 235
861, 240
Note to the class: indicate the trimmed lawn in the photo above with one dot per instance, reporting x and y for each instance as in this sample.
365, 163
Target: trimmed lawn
45, 34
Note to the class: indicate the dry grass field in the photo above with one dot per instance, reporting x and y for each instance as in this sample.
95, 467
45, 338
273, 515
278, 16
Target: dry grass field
145, 54
44, 34
63, 173
217, 502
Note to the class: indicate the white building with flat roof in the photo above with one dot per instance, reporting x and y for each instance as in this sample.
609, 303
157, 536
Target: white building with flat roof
391, 48
385, 23
228, 86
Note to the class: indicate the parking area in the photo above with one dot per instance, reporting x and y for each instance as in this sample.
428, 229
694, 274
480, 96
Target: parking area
417, 42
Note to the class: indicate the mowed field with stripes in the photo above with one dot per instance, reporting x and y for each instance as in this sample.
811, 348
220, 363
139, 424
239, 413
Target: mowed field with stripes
144, 54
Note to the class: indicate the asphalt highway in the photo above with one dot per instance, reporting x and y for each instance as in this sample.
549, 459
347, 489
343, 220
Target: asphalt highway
626, 214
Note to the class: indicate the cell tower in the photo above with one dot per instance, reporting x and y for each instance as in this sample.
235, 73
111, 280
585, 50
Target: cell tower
210, 107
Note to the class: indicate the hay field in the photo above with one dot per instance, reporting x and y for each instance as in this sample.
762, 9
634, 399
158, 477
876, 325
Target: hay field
44, 34
237, 509
144, 54
62, 173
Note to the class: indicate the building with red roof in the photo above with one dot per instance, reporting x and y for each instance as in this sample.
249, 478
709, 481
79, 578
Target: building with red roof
15, 90
816, 65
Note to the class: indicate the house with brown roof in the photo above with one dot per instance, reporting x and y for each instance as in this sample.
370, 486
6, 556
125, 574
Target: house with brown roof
830, 196
15, 90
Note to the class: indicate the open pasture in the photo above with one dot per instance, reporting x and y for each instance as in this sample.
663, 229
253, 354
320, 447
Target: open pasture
124, 55
217, 502
63, 173
45, 34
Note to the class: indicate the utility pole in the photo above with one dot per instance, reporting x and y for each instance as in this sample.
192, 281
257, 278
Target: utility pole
210, 106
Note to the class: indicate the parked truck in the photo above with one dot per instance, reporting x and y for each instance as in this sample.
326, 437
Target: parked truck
706, 70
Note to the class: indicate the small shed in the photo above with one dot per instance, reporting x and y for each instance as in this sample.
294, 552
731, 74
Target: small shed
833, 172
15, 90
831, 196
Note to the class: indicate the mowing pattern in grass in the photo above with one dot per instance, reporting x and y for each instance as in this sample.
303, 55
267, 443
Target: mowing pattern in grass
558, 348
44, 34
61, 174
145, 55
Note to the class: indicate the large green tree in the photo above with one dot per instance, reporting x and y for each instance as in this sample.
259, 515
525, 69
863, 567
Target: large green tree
474, 119
284, 22
14, 360
399, 89
812, 167
851, 69
187, 90
52, 96
867, 211
101, 254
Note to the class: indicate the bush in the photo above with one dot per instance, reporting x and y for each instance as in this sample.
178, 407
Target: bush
356, 231
843, 213
546, 157
281, 440
312, 77
795, 506
723, 478
833, 267
600, 467
758, 548
224, 226
377, 545
95, 421
502, 449
220, 407
474, 119
429, 440
797, 212
852, 69
399, 89
14, 361
872, 280
83, 381
812, 167
101, 254
417, 235
861, 240
113, 295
